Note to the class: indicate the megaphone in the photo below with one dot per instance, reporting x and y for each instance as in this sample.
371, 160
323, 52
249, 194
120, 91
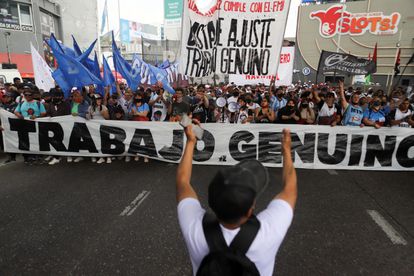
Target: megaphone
233, 107
221, 102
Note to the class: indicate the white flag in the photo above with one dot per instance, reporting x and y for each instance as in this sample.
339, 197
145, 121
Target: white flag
42, 72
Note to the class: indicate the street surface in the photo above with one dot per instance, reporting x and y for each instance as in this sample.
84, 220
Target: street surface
89, 219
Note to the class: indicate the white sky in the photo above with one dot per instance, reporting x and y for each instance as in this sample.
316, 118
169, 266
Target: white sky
152, 12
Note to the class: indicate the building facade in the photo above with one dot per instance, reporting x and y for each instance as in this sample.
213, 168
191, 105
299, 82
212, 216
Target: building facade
354, 28
31, 21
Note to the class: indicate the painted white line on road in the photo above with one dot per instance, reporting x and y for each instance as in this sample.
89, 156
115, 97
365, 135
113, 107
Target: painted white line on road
332, 172
392, 234
139, 203
135, 203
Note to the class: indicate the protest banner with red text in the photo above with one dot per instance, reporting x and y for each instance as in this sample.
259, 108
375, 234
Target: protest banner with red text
232, 37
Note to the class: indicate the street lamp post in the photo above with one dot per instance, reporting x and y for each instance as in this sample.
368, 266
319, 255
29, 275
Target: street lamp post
6, 35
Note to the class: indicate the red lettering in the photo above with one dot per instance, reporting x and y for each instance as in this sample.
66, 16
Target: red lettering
362, 22
345, 25
278, 5
256, 7
374, 23
354, 28
385, 24
234, 6
284, 58
267, 7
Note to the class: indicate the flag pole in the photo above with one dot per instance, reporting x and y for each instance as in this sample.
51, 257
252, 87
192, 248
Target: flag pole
395, 60
273, 80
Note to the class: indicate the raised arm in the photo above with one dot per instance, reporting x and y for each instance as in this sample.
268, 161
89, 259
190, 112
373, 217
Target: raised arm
290, 190
183, 185
344, 104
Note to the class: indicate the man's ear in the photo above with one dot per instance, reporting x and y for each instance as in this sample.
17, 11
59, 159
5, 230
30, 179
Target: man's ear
250, 212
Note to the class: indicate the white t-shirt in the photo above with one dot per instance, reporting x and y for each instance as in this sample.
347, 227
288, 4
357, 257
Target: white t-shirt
274, 223
158, 106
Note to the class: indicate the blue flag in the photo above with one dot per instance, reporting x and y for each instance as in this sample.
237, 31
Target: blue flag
61, 81
85, 60
56, 45
76, 47
160, 75
75, 74
124, 68
108, 77
97, 72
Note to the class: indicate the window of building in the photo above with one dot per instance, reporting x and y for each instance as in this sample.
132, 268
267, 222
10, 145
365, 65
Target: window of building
15, 16
25, 15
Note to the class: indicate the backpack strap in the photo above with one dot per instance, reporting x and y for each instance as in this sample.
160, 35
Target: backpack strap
213, 234
244, 239
241, 242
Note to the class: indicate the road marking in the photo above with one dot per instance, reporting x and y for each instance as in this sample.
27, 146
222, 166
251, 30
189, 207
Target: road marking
135, 203
332, 172
392, 234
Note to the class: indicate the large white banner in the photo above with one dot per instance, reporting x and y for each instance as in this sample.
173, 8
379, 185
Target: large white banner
232, 37
284, 72
313, 147
42, 72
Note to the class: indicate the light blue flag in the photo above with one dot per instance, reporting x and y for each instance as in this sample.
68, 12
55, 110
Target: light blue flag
104, 16
160, 75
165, 64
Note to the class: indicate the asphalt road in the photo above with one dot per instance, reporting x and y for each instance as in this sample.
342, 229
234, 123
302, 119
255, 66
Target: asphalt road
71, 219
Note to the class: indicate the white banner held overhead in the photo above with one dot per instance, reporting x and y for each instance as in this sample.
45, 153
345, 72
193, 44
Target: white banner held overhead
313, 147
232, 37
42, 72
284, 72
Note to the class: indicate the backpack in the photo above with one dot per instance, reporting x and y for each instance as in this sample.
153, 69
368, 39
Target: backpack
228, 260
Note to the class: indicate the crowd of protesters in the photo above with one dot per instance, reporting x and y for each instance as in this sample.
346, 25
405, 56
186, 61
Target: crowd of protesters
307, 104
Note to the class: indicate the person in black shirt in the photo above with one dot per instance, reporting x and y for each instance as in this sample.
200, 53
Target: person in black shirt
178, 107
200, 105
288, 114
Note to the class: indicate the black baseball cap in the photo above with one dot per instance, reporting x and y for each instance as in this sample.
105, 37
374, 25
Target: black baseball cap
233, 190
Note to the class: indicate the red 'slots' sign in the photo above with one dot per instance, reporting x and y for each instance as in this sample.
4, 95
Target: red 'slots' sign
336, 20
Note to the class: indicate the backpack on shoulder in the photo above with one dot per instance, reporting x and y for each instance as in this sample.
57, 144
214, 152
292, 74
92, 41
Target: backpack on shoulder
228, 260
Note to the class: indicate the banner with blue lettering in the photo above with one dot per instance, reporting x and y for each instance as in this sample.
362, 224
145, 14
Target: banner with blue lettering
313, 147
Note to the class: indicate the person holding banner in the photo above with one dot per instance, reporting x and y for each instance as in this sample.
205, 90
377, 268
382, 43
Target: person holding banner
402, 116
373, 116
232, 195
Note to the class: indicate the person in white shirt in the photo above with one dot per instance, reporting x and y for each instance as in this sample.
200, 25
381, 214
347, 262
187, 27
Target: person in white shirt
232, 197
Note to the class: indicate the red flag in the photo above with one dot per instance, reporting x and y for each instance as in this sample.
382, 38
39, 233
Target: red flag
397, 63
374, 56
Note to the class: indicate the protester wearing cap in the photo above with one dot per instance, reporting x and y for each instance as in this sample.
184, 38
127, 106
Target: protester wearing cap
57, 106
328, 110
115, 110
232, 195
97, 110
30, 108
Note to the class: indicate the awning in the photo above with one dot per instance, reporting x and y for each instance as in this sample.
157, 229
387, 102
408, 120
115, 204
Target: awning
23, 61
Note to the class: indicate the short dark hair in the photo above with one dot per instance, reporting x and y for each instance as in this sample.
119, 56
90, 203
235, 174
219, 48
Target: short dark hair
16, 79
